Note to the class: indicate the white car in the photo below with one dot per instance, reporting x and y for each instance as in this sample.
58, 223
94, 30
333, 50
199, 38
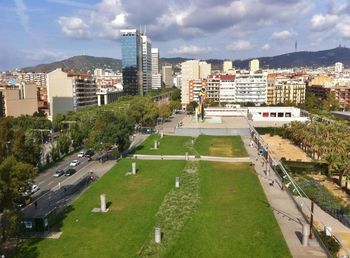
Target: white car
81, 154
34, 189
74, 163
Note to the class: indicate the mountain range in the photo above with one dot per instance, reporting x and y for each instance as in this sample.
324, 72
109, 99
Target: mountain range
296, 59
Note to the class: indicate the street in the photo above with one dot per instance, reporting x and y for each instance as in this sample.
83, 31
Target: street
56, 192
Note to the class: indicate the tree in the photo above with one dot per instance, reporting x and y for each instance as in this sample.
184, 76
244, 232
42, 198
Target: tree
144, 111
111, 130
191, 107
164, 111
24, 149
6, 136
175, 105
176, 95
63, 143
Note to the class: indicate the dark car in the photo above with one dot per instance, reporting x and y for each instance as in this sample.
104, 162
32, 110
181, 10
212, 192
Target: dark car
23, 201
70, 172
89, 153
59, 173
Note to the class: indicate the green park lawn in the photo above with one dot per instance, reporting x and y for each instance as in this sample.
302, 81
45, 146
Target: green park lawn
233, 219
122, 231
223, 146
169, 145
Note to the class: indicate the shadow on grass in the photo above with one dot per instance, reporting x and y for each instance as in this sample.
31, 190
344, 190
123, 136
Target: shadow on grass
108, 204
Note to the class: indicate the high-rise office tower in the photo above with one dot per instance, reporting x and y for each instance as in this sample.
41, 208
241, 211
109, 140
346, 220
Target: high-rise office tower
132, 61
146, 64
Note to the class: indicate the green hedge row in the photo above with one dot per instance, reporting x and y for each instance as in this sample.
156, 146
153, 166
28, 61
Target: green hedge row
272, 131
300, 167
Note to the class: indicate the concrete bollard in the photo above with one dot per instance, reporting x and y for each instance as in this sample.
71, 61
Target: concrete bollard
155, 144
186, 156
305, 234
103, 202
192, 141
157, 235
133, 168
161, 135
177, 182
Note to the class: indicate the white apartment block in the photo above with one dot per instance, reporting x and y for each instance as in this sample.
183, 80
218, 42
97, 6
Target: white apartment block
146, 63
338, 67
192, 70
254, 65
227, 67
156, 76
156, 81
251, 87
227, 92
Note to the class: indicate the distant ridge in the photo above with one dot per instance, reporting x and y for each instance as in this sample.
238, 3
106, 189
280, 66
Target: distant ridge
296, 59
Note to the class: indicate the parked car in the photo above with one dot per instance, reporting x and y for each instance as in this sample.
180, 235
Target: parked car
89, 153
81, 154
34, 189
70, 172
74, 163
58, 173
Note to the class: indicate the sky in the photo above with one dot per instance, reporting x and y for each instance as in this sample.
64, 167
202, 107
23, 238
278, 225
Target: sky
41, 31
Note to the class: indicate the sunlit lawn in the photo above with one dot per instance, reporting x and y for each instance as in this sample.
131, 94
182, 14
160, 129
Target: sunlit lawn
223, 146
233, 219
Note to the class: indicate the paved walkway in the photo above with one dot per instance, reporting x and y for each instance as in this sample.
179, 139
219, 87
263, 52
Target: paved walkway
286, 213
190, 157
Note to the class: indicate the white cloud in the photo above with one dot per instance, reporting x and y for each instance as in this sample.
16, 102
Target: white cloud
191, 50
43, 54
239, 45
266, 47
21, 10
284, 34
322, 22
74, 27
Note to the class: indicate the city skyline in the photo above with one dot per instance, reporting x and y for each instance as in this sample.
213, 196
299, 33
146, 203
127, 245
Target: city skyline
41, 32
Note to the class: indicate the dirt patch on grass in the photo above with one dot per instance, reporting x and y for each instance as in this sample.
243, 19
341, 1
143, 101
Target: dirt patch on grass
220, 147
280, 147
333, 188
138, 182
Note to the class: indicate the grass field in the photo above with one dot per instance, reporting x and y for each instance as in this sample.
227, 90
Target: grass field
122, 231
233, 219
223, 146
169, 145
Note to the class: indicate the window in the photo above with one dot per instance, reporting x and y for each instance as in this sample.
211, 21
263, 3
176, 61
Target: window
280, 114
272, 114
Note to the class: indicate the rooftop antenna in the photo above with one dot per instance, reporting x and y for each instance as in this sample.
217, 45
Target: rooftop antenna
296, 46
145, 30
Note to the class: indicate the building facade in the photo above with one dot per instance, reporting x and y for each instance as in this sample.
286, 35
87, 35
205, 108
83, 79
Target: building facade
251, 87
286, 90
227, 67
132, 62
192, 70
18, 100
146, 64
195, 87
70, 91
108, 95
167, 76
227, 92
156, 75
254, 65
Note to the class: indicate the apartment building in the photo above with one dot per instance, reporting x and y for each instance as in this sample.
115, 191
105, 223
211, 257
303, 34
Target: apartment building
251, 87
70, 91
195, 87
286, 90
17, 100
167, 76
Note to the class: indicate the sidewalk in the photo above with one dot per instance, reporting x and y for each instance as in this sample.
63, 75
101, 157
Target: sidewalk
288, 216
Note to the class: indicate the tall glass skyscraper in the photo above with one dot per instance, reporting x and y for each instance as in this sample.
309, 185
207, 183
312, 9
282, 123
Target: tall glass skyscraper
132, 61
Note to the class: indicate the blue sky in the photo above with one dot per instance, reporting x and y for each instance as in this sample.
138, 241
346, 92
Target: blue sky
42, 31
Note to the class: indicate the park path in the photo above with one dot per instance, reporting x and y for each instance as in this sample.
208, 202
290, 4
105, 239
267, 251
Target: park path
190, 157
289, 218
